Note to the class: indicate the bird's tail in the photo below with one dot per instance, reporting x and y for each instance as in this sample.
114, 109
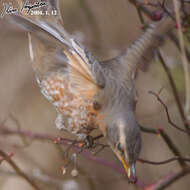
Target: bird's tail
142, 50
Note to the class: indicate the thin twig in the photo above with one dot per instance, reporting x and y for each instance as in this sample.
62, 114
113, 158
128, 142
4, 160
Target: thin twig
175, 93
5, 158
18, 170
64, 141
84, 153
175, 40
7, 131
149, 14
187, 18
18, 125
186, 1
37, 175
174, 89
140, 14
183, 58
143, 23
168, 180
168, 115
165, 161
167, 140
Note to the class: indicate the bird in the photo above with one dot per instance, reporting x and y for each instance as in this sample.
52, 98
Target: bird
89, 94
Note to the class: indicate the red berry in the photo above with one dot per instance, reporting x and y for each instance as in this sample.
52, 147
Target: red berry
157, 15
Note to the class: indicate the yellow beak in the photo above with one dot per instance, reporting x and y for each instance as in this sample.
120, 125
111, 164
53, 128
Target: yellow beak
130, 170
126, 167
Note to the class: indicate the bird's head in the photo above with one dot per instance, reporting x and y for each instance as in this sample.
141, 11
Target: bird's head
123, 135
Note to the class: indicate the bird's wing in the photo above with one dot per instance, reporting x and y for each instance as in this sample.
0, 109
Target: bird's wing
142, 50
52, 50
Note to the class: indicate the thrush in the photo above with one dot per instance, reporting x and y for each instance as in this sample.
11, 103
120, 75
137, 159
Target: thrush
89, 94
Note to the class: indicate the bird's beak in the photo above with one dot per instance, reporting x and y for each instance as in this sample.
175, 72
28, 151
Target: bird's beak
130, 170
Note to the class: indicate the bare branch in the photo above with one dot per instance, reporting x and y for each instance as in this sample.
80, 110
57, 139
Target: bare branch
151, 15
140, 6
183, 57
175, 93
37, 175
64, 141
168, 180
168, 115
18, 170
8, 156
165, 161
168, 141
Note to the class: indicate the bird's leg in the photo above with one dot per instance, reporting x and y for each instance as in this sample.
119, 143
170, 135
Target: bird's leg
98, 137
102, 146
66, 152
91, 144
90, 141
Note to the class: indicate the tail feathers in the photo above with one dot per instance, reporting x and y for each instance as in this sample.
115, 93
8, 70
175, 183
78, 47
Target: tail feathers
142, 50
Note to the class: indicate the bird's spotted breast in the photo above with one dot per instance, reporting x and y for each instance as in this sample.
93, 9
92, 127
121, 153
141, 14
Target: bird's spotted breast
75, 113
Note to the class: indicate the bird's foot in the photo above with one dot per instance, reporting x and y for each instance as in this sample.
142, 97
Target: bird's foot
90, 141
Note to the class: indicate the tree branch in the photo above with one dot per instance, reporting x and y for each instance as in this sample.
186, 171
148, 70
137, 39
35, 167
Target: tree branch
151, 15
168, 115
64, 141
18, 170
38, 176
167, 140
139, 5
165, 161
168, 180
175, 93
183, 57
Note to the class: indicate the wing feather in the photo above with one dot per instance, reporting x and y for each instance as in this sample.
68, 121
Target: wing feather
46, 42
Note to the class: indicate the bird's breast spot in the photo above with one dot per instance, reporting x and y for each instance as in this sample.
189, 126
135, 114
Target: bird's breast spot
53, 88
60, 122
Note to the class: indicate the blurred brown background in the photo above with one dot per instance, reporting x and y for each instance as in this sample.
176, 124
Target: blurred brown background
106, 27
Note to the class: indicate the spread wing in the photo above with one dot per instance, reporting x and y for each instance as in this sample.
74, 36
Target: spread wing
52, 50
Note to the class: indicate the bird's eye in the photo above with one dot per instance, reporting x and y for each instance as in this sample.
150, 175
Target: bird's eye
119, 147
